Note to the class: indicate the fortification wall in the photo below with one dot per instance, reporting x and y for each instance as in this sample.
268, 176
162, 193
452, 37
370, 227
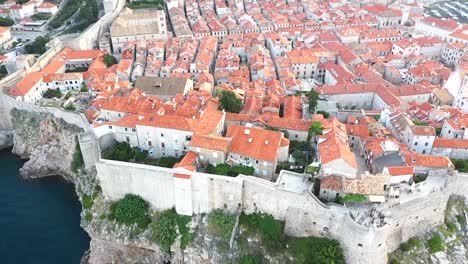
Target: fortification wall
90, 37
303, 213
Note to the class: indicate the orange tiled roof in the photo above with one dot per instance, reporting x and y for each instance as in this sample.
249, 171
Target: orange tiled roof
450, 143
257, 143
211, 142
26, 84
400, 170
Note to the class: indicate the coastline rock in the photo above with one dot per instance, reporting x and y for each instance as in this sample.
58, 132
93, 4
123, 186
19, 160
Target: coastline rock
6, 139
102, 251
46, 141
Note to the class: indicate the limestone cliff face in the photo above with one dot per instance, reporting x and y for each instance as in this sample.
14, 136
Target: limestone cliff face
46, 141
6, 138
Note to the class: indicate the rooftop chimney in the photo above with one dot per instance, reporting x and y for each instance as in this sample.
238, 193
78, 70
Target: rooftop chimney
246, 131
249, 140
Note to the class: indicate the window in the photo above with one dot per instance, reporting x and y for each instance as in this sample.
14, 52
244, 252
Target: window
424, 151
133, 130
188, 138
163, 145
427, 143
149, 143
359, 245
415, 143
162, 135
110, 127
126, 129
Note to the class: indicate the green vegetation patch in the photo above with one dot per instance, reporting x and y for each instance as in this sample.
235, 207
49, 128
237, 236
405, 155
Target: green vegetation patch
315, 250
313, 98
250, 259
122, 151
70, 107
220, 224
109, 60
270, 230
6, 22
350, 198
229, 102
77, 160
146, 4
460, 164
435, 244
78, 69
40, 16
52, 93
187, 236
38, 46
164, 229
227, 170
413, 242
132, 209
324, 113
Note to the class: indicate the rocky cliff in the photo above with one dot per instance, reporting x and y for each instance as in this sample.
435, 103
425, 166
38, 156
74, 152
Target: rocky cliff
6, 138
47, 142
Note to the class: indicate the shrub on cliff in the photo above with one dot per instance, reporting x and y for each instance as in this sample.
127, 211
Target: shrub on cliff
132, 209
435, 244
410, 244
220, 224
315, 250
163, 230
77, 161
271, 231
249, 259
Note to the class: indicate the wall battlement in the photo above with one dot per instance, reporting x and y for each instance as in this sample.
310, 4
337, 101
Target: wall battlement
366, 234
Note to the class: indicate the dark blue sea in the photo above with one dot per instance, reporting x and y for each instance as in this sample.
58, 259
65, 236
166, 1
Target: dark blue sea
39, 219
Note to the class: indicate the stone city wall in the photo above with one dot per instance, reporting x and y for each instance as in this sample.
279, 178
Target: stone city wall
303, 213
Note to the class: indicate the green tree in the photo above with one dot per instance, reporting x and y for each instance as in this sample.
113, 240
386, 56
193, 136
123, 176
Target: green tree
38, 46
6, 22
315, 129
52, 93
132, 209
299, 156
313, 98
109, 60
229, 102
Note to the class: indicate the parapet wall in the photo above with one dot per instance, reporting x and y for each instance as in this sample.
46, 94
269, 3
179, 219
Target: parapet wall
304, 215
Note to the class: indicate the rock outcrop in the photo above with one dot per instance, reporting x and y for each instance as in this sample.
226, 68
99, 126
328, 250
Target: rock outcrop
47, 142
6, 138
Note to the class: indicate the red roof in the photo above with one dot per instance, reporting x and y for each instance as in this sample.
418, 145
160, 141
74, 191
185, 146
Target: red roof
400, 170
253, 142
